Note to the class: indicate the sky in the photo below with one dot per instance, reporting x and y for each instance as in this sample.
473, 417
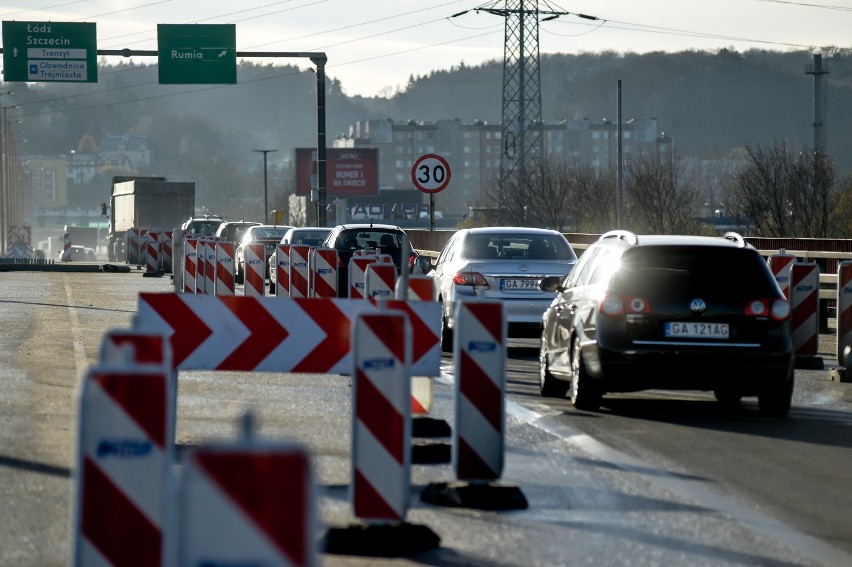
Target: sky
374, 46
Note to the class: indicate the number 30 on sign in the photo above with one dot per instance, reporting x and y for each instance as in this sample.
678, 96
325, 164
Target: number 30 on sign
430, 173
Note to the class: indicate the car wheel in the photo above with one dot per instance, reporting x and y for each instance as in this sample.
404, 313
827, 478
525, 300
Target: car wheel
238, 275
446, 336
585, 395
727, 396
775, 399
549, 385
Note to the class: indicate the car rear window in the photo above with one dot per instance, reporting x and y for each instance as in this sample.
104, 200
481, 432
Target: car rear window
517, 247
355, 239
710, 271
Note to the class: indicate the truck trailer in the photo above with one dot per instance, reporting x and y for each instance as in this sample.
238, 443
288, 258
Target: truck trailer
151, 203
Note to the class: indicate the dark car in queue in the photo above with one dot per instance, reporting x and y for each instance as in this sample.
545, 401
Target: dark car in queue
205, 225
500, 263
668, 312
385, 238
267, 234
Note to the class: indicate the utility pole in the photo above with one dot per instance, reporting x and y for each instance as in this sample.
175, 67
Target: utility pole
265, 187
820, 102
522, 154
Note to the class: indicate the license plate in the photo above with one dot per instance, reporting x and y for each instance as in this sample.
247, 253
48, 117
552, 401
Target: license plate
692, 330
521, 283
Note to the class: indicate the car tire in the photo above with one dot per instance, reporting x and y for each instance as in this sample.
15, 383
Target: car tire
446, 336
549, 385
585, 395
775, 399
727, 396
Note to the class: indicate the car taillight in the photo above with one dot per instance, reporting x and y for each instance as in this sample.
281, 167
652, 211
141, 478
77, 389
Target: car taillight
411, 259
470, 278
617, 305
778, 309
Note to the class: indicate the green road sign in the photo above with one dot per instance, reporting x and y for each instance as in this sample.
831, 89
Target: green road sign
50, 51
198, 54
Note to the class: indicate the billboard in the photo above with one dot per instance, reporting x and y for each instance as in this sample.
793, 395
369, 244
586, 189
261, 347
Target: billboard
349, 171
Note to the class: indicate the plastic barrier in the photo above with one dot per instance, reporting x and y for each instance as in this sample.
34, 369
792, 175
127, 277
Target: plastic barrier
299, 270
781, 265
247, 504
152, 262
358, 275
420, 287
190, 264
844, 310
225, 283
210, 266
132, 244
166, 251
282, 270
66, 247
324, 272
804, 291
255, 270
381, 420
380, 281
123, 482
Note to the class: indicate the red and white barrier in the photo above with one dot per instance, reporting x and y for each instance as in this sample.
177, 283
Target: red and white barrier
225, 282
299, 270
380, 281
254, 277
844, 309
276, 334
358, 275
381, 421
781, 265
122, 487
201, 260
209, 266
324, 272
66, 247
420, 288
153, 251
804, 302
480, 377
247, 504
166, 250
132, 244
190, 264
282, 270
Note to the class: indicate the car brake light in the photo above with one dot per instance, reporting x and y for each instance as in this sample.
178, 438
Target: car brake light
411, 259
757, 308
778, 309
616, 305
470, 279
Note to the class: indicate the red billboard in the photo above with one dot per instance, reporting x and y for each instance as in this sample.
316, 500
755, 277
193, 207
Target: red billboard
349, 171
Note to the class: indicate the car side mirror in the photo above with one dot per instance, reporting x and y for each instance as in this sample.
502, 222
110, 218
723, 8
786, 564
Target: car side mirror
422, 265
550, 283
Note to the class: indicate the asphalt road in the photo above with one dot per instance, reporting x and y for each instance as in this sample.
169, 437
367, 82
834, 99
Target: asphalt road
652, 479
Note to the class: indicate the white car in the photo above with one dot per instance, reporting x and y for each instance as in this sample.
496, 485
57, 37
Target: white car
505, 263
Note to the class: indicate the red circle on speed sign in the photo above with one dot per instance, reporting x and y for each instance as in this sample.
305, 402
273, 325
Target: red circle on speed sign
430, 173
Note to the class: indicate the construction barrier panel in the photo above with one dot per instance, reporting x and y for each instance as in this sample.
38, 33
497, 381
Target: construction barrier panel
380, 281
781, 265
247, 504
254, 278
420, 288
358, 275
282, 270
323, 272
132, 244
123, 472
844, 309
381, 420
804, 300
299, 270
190, 264
480, 377
275, 334
66, 247
225, 282
166, 250
153, 245
210, 266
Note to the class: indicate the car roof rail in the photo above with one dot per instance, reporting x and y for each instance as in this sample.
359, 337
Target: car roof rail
736, 238
621, 235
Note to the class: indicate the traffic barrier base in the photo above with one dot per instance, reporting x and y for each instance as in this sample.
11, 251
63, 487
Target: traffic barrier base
380, 540
476, 495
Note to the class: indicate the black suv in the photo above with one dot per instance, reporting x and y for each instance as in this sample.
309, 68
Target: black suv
668, 312
347, 238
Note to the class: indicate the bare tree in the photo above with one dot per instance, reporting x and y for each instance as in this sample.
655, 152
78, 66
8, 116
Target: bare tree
659, 199
784, 193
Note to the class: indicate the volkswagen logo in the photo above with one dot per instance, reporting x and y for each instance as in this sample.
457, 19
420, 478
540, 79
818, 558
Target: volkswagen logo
697, 306
523, 268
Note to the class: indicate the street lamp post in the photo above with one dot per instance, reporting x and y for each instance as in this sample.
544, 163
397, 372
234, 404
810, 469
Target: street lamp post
265, 187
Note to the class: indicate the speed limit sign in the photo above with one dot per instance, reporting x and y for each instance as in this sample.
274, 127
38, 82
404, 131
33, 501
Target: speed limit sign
430, 173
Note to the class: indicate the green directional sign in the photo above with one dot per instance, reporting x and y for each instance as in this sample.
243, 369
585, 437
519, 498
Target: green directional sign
50, 51
197, 54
